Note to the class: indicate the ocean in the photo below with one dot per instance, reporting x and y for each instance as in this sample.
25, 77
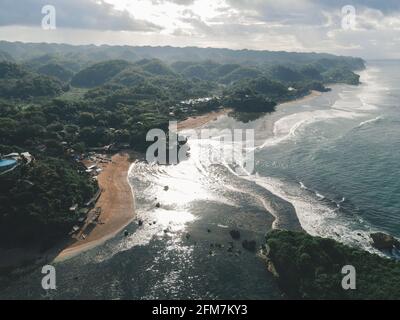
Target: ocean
328, 165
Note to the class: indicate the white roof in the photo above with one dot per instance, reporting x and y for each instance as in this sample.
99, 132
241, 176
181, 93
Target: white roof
14, 154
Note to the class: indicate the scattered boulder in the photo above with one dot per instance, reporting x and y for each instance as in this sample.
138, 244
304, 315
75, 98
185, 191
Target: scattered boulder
126, 233
166, 188
249, 245
235, 234
140, 223
208, 230
158, 205
383, 241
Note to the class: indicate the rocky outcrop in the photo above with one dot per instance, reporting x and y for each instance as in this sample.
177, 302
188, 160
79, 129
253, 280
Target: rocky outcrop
250, 245
383, 241
235, 234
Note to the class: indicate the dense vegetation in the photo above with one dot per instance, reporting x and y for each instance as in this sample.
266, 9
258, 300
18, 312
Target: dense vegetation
59, 101
310, 268
18, 83
35, 199
98, 73
57, 71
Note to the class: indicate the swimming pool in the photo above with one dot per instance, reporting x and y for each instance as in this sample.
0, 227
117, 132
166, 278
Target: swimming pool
7, 163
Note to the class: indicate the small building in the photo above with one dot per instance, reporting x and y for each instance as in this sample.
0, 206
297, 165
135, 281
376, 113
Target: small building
74, 208
94, 199
13, 155
27, 156
92, 167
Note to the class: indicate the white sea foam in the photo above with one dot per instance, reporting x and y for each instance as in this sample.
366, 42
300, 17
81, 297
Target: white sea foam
303, 186
288, 127
320, 196
315, 217
352, 103
370, 121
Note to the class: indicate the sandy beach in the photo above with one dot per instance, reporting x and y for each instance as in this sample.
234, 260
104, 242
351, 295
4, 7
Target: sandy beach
198, 121
116, 202
312, 94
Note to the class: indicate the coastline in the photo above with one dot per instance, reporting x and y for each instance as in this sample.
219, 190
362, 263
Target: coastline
309, 96
198, 121
117, 206
117, 197
201, 120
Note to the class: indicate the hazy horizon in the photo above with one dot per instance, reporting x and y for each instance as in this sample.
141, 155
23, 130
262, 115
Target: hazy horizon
367, 29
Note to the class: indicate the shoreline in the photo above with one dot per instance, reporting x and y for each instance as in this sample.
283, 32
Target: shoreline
117, 205
117, 197
200, 120
195, 122
311, 95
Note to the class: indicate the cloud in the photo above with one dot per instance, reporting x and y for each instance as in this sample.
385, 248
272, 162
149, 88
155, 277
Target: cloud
79, 14
290, 25
178, 2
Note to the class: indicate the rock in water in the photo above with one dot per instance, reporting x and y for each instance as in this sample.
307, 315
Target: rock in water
383, 241
235, 234
250, 245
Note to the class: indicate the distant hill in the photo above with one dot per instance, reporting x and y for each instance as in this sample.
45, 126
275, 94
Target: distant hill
131, 76
4, 56
99, 73
25, 51
57, 71
155, 67
17, 82
9, 70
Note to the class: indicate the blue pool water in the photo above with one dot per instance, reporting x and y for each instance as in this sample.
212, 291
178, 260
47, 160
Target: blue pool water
7, 163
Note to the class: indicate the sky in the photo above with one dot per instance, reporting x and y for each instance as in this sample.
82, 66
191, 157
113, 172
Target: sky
365, 28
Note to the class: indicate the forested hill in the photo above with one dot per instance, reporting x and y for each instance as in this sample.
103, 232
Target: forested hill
311, 268
25, 51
